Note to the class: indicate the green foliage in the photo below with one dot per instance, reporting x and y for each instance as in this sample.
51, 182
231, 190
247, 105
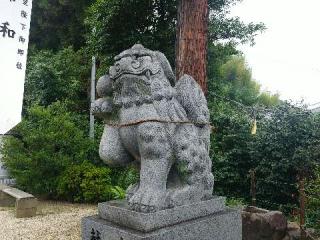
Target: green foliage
230, 149
49, 140
89, 183
118, 192
313, 201
85, 183
153, 23
58, 23
218, 54
231, 141
286, 146
230, 29
52, 157
116, 25
235, 202
268, 100
238, 83
233, 29
124, 177
57, 76
235, 82
281, 152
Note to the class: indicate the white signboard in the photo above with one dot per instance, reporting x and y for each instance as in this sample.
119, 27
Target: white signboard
15, 18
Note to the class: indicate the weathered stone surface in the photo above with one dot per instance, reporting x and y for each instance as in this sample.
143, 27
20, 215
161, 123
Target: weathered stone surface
224, 225
26, 207
16, 193
6, 200
161, 124
260, 224
119, 213
25, 212
25, 203
293, 231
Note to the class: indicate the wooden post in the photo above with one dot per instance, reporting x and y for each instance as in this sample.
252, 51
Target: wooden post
191, 45
253, 187
302, 200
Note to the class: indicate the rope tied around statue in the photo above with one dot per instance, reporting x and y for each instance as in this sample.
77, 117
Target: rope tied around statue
134, 123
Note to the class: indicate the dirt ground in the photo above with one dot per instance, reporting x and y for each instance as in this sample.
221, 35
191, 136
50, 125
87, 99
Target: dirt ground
54, 221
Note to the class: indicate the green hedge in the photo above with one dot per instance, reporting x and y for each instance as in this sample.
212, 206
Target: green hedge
52, 157
85, 183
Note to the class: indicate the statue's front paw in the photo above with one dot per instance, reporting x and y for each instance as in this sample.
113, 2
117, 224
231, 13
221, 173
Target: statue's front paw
147, 200
102, 107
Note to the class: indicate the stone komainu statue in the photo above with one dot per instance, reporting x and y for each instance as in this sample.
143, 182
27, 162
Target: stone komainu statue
159, 123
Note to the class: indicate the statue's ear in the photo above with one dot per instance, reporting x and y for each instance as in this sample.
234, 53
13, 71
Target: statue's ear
166, 68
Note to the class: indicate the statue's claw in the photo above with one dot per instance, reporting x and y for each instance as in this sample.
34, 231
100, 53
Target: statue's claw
147, 201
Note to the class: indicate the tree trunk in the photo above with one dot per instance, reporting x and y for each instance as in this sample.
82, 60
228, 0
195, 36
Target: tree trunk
191, 46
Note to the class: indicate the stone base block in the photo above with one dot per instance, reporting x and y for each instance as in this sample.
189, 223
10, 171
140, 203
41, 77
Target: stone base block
118, 212
223, 225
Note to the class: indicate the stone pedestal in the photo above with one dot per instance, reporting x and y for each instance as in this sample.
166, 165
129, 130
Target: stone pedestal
207, 220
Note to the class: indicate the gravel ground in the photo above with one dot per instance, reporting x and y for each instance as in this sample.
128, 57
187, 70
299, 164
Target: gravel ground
54, 221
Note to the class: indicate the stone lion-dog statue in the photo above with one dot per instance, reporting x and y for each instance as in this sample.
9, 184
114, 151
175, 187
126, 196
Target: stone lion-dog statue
161, 124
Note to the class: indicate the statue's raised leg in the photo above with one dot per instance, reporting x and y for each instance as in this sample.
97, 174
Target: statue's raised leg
111, 149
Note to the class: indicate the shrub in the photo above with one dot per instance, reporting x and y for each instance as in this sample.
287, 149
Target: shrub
282, 151
89, 183
49, 139
230, 150
284, 147
86, 183
52, 157
313, 202
124, 177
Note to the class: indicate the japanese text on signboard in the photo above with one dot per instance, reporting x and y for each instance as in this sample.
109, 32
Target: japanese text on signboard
6, 31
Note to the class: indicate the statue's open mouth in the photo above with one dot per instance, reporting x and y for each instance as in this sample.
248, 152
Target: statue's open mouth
139, 76
144, 72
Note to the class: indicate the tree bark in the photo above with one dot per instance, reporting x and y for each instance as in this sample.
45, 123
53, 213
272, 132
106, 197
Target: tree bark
191, 46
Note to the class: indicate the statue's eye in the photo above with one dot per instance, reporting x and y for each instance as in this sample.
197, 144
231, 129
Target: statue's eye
117, 66
147, 59
136, 63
